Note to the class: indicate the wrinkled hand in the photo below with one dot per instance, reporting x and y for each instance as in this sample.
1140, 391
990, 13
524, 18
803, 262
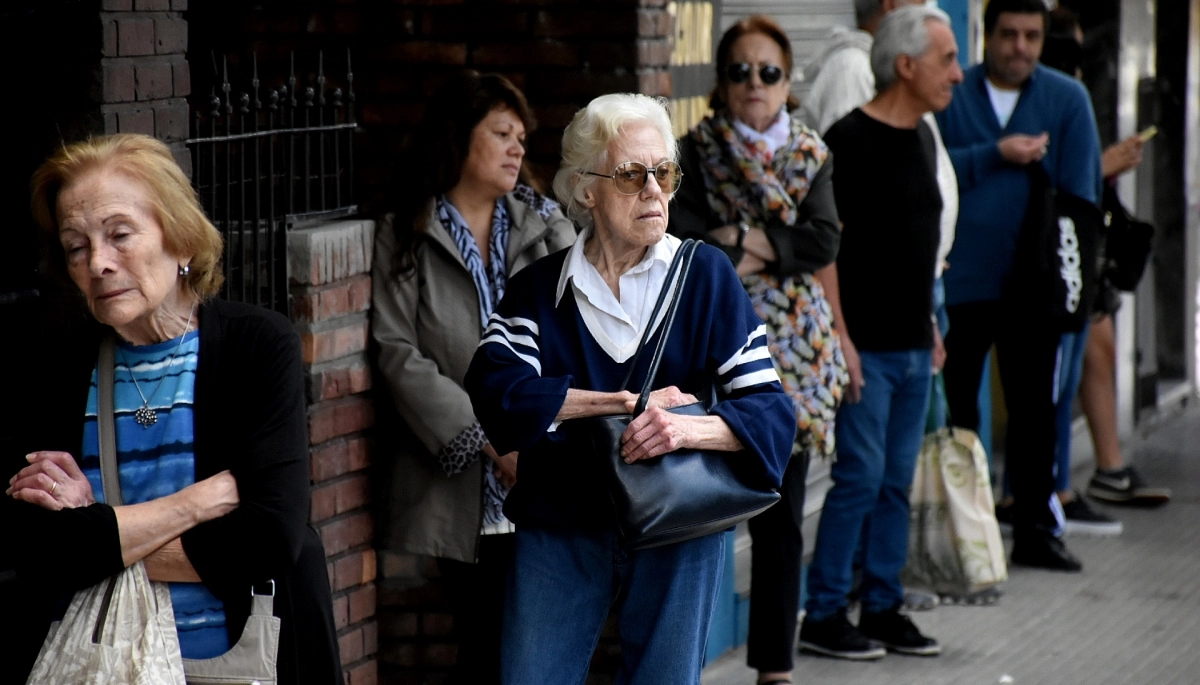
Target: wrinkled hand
666, 398
854, 369
1123, 156
1022, 149
214, 496
52, 481
653, 434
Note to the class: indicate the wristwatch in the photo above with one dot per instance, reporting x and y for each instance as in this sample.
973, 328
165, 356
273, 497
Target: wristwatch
743, 229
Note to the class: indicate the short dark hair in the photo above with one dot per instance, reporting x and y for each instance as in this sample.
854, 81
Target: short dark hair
755, 23
434, 162
995, 7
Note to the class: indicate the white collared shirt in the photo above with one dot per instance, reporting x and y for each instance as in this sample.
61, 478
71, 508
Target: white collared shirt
617, 325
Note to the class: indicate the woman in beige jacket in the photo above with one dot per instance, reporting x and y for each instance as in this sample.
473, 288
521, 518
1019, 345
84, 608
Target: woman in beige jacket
463, 224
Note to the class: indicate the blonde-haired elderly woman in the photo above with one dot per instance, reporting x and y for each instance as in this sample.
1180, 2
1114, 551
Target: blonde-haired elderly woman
210, 422
558, 347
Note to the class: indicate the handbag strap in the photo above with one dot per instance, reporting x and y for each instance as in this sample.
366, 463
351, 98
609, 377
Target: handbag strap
672, 271
105, 427
680, 265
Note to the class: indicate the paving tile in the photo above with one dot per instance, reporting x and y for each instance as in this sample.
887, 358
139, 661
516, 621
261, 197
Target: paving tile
1132, 616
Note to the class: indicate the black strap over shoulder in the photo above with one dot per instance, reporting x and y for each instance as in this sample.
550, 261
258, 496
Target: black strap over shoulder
674, 283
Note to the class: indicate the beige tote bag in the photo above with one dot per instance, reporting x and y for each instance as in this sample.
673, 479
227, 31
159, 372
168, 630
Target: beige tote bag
954, 544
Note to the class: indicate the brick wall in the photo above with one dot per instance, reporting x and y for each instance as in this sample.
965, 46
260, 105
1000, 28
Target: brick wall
562, 53
331, 293
144, 74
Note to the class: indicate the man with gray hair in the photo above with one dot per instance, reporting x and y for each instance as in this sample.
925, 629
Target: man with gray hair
885, 186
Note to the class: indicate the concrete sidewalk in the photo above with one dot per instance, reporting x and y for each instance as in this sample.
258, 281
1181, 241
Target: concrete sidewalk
1132, 616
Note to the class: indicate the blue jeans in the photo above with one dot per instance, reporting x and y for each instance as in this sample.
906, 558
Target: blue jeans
562, 585
1069, 374
878, 440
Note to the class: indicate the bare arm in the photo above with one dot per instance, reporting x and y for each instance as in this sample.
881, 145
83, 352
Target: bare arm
583, 403
146, 527
829, 281
149, 530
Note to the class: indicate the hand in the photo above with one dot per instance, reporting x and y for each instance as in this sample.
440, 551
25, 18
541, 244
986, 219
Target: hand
666, 398
213, 497
854, 369
52, 481
939, 350
653, 434
750, 264
504, 467
1022, 149
1123, 156
726, 235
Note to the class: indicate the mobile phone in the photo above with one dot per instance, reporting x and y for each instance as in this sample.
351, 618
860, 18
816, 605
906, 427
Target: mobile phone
1148, 133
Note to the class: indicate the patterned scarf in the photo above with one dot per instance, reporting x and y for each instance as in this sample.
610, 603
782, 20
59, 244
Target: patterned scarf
746, 181
490, 281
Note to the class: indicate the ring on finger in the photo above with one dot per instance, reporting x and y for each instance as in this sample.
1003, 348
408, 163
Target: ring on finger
53, 488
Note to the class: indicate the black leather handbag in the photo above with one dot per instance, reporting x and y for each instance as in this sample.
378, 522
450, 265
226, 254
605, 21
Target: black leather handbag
1128, 243
681, 495
1055, 275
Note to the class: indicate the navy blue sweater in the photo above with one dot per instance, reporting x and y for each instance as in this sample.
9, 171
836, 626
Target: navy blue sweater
535, 349
993, 193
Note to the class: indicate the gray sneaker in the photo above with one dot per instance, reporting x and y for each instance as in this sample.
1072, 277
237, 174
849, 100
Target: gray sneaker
1126, 487
1082, 519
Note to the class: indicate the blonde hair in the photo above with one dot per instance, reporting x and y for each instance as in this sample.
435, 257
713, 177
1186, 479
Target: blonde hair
187, 232
585, 143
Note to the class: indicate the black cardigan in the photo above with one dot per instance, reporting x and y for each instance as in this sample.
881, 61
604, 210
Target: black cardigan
251, 418
804, 247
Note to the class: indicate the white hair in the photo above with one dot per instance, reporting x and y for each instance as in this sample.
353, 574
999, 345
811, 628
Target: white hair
903, 31
586, 139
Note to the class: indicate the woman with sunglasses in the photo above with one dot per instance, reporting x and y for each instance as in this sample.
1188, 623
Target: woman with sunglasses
464, 224
757, 185
560, 347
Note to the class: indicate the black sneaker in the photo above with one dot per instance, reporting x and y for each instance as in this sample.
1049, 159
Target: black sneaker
1083, 520
1037, 547
1125, 486
835, 636
897, 633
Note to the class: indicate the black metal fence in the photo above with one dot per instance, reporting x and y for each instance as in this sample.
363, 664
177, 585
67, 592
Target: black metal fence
266, 162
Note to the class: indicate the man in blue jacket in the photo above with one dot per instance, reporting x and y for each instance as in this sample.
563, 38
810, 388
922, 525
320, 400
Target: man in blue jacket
1007, 113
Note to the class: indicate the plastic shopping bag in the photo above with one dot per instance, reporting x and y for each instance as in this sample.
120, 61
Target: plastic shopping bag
118, 632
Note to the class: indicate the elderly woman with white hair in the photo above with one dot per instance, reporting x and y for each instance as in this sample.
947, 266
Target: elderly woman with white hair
560, 346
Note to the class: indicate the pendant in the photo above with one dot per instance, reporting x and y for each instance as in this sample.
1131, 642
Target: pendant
145, 416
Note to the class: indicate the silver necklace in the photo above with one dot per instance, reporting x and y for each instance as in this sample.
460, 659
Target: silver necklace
146, 416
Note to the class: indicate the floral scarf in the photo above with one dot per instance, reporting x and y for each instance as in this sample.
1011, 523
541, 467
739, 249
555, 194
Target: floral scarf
746, 181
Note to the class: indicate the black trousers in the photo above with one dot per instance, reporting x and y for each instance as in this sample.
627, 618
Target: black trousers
476, 596
775, 559
1027, 354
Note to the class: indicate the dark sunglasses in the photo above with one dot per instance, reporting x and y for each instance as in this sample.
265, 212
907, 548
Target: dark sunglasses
739, 72
631, 177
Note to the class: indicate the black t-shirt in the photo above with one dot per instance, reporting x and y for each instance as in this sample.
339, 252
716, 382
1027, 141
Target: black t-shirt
885, 185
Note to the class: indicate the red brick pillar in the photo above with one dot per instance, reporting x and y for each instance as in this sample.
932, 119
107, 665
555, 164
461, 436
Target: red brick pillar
144, 74
329, 269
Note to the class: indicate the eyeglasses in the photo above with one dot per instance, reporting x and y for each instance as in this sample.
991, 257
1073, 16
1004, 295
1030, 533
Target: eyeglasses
739, 72
632, 177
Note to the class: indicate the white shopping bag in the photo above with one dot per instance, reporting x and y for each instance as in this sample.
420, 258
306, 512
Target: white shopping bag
954, 544
119, 632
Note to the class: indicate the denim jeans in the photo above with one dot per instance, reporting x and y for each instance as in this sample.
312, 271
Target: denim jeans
559, 593
1070, 373
878, 440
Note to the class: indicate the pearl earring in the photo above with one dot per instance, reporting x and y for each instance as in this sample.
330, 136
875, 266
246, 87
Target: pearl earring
185, 270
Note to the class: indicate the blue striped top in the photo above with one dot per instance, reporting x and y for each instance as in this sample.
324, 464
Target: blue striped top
158, 460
